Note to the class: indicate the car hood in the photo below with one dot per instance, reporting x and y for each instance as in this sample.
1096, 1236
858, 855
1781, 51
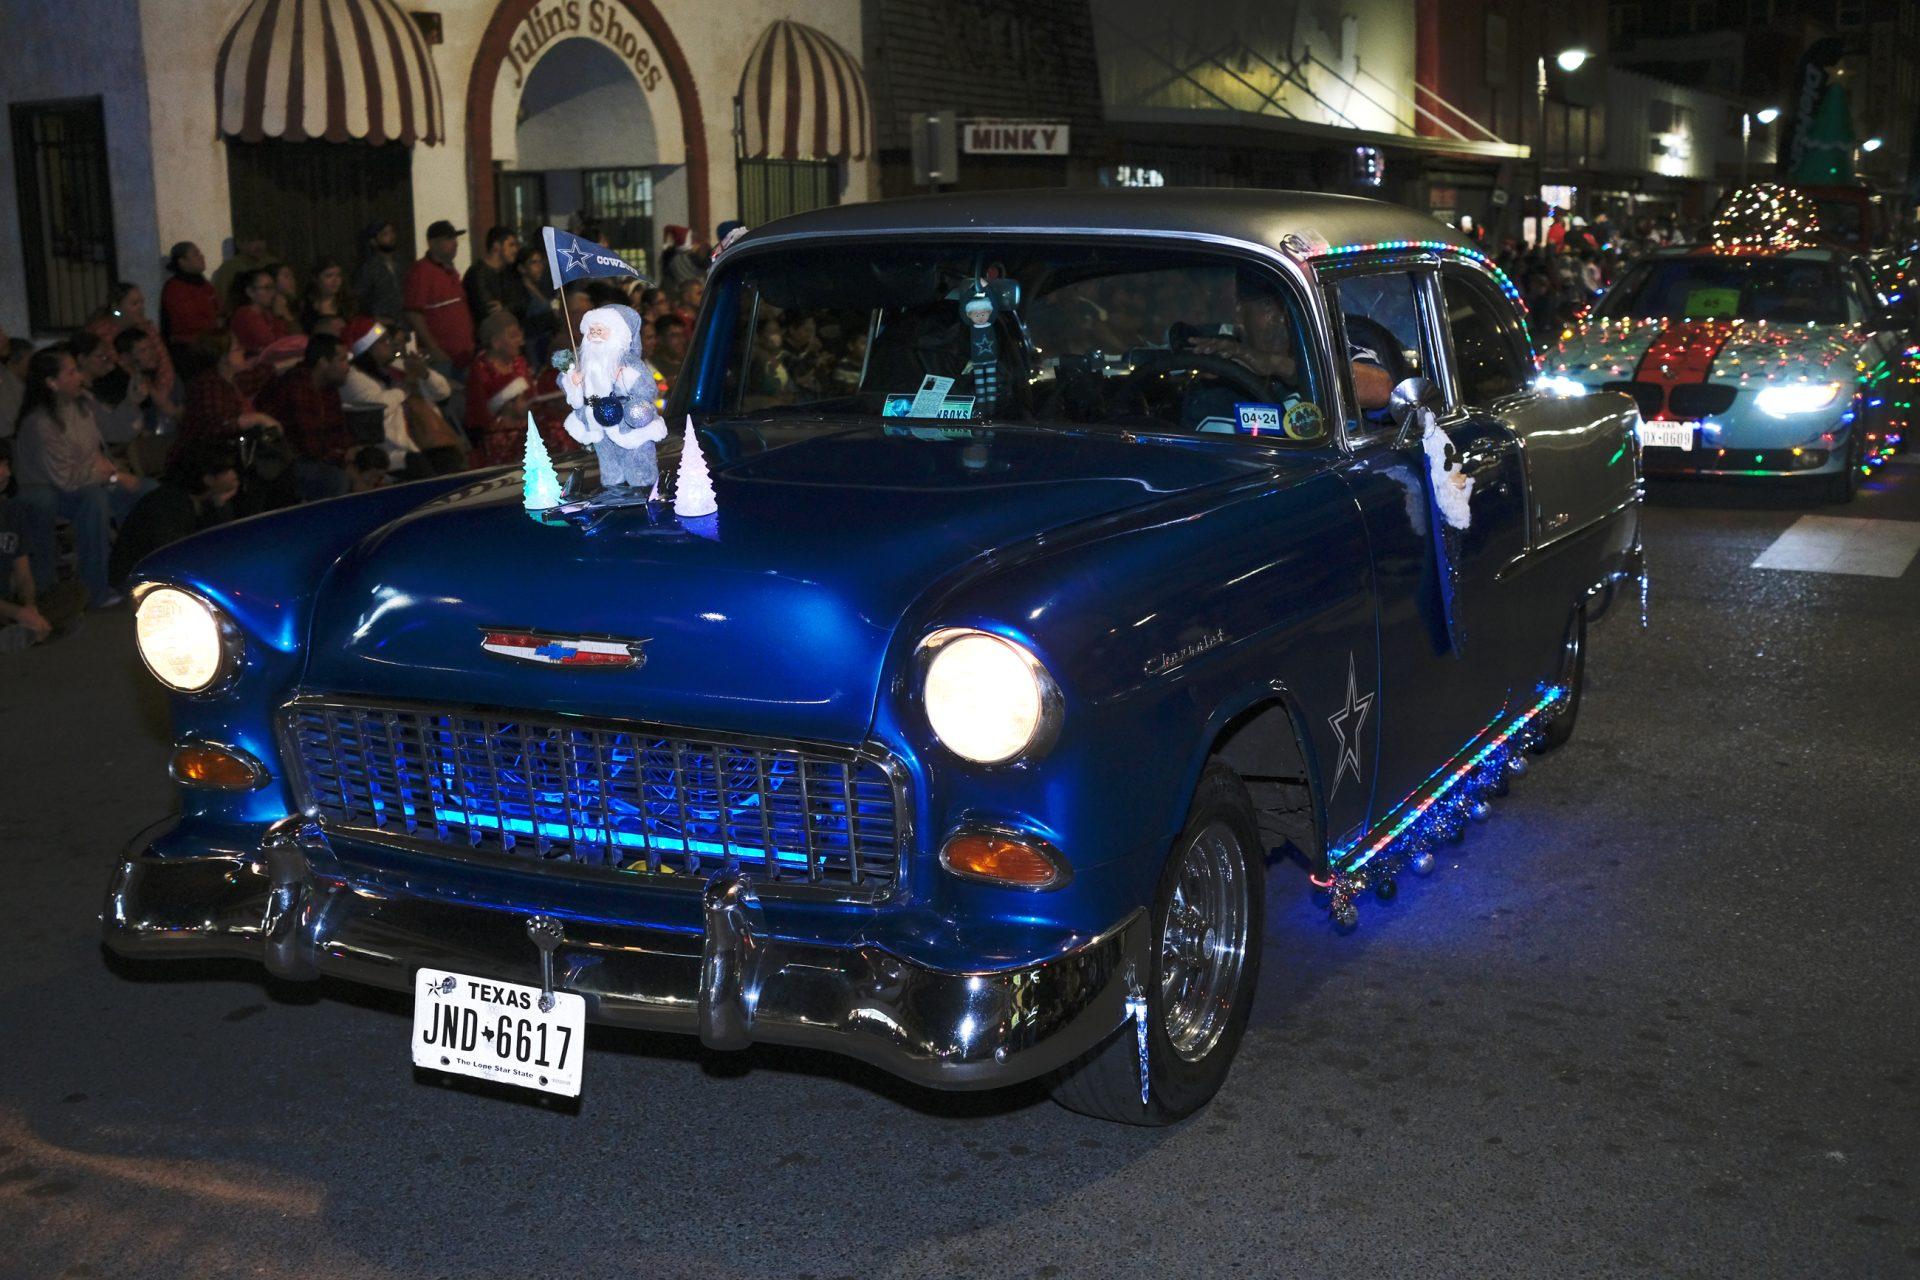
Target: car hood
773, 617
1595, 352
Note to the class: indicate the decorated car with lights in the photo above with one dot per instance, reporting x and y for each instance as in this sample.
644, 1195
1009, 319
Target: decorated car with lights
1755, 355
1028, 573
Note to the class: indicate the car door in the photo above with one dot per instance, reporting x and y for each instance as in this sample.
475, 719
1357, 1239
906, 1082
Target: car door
1487, 373
1435, 695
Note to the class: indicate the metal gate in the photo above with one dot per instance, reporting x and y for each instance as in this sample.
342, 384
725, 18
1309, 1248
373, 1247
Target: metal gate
310, 200
772, 189
621, 202
66, 210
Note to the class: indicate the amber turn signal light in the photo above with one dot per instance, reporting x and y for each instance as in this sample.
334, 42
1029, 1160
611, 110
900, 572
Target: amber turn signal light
217, 768
999, 858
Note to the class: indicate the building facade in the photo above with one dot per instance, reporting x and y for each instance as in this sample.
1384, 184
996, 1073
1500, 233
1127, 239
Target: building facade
138, 123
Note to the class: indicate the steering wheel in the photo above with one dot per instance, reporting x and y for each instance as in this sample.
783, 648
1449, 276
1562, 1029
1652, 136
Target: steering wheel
1231, 372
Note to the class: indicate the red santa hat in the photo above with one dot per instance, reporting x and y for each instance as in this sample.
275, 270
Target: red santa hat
676, 233
361, 333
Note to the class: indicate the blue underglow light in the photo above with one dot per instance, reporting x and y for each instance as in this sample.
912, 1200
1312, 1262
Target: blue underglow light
1355, 856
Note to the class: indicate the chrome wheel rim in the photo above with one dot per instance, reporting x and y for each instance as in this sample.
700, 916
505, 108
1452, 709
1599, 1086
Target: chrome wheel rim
1203, 942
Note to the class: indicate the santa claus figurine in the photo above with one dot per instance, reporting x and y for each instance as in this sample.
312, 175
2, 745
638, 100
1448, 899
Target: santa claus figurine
611, 390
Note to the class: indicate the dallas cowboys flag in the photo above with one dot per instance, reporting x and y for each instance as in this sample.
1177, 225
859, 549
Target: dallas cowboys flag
570, 258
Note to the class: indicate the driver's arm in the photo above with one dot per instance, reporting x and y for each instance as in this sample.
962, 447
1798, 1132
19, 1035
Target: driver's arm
1372, 385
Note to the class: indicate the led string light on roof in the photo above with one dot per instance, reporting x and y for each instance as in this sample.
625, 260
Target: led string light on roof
1316, 248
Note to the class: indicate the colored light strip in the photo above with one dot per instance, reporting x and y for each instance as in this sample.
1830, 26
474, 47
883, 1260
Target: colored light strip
1430, 246
622, 839
1552, 696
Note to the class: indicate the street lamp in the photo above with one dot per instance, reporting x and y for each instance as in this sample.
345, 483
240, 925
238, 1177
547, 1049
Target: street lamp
1568, 60
1765, 115
1872, 144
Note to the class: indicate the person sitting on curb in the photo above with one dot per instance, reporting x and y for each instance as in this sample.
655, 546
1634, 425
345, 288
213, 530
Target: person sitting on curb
28, 615
65, 470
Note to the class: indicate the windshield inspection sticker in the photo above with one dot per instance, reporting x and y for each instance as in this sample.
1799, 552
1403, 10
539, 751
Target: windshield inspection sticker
1258, 419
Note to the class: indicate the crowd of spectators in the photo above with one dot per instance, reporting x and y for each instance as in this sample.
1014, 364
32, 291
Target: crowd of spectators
262, 385
1574, 261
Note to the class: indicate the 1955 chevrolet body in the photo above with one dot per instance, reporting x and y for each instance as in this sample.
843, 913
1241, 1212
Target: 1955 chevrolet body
960, 740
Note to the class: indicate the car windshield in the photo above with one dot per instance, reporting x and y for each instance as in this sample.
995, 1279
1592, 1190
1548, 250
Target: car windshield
1717, 287
1117, 335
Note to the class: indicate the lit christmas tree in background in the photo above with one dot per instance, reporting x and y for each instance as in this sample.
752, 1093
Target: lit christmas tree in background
541, 487
1827, 148
693, 486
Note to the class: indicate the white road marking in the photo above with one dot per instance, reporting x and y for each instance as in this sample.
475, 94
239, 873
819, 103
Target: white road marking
1835, 544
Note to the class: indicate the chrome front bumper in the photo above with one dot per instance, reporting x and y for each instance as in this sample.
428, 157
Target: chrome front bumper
732, 984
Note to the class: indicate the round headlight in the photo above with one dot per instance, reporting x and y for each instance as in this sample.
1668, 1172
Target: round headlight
180, 641
988, 699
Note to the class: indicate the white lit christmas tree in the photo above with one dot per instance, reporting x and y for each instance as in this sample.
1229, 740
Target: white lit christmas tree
693, 486
540, 486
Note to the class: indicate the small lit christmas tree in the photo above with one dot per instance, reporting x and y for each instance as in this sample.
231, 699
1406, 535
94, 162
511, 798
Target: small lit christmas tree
541, 487
693, 486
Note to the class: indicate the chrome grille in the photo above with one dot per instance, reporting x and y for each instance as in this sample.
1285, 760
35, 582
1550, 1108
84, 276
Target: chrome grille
615, 796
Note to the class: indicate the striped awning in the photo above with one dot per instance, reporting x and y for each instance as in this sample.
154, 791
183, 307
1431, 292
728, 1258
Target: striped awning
332, 69
802, 97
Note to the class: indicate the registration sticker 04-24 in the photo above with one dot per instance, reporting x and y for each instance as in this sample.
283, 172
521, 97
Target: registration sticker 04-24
497, 1031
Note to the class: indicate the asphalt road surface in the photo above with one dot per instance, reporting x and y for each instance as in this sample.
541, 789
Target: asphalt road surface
1656, 1018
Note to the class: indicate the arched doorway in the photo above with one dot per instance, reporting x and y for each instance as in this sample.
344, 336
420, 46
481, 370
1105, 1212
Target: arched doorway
583, 143
521, 39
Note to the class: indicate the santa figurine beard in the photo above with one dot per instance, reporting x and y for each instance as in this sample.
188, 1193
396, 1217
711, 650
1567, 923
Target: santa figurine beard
611, 377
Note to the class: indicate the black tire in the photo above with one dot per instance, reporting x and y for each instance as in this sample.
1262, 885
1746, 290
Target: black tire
1105, 1082
1844, 486
1573, 674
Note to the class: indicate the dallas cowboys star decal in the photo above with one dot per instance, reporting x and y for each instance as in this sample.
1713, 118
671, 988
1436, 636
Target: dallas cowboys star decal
572, 259
1346, 724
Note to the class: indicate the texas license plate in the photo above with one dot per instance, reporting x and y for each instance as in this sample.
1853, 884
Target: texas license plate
497, 1031
1667, 435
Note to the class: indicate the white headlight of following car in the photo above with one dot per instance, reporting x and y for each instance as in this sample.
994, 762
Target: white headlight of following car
988, 699
180, 639
1789, 398
1558, 384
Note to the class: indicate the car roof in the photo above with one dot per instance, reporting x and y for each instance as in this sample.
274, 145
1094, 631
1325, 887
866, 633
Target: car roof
1259, 217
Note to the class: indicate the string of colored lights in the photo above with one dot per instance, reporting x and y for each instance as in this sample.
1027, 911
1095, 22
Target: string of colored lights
1354, 857
1764, 216
1429, 246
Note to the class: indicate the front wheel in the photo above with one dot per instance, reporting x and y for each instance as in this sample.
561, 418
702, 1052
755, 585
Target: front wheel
1207, 928
1845, 485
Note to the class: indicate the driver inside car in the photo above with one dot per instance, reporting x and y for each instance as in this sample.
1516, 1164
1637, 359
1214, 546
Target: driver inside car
1269, 349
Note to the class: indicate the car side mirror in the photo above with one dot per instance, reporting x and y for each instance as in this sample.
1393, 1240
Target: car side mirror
1412, 396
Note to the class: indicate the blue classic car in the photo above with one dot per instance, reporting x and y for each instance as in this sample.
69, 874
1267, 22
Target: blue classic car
1749, 362
1078, 556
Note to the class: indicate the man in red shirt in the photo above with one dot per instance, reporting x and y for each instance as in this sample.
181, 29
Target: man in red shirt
436, 302
306, 401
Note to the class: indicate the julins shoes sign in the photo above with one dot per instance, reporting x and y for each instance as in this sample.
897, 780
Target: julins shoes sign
1013, 138
607, 21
